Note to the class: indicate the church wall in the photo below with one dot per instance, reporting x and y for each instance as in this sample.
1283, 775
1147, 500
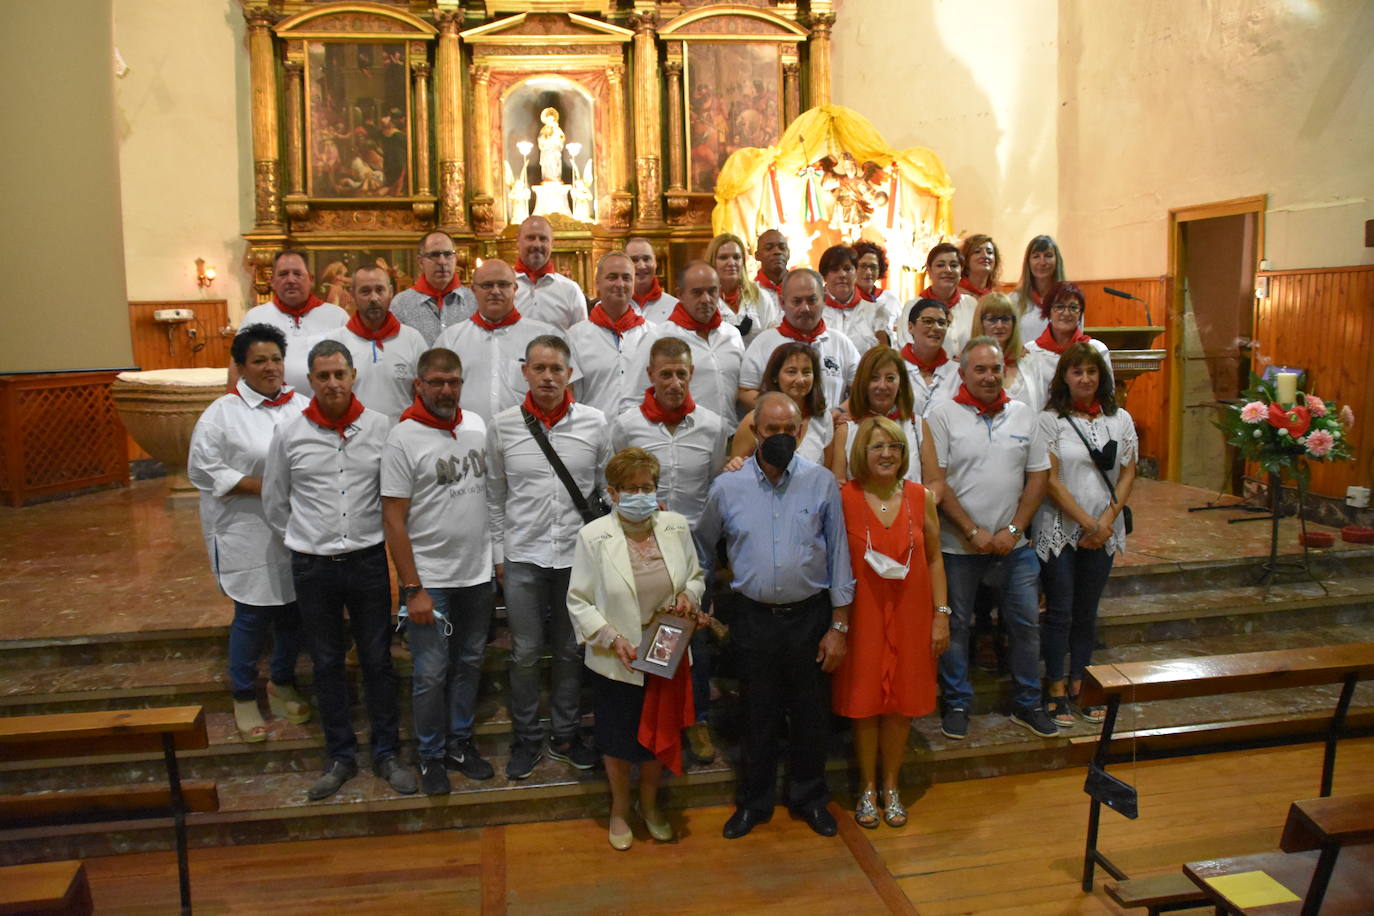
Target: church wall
976, 83
185, 149
1176, 103
59, 180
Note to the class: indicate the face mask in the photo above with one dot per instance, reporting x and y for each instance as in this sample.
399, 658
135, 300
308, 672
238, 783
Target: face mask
884, 565
636, 507
778, 450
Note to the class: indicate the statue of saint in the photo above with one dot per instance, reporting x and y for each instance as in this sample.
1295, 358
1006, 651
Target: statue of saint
551, 139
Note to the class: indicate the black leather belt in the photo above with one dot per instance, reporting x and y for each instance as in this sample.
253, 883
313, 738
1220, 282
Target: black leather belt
791, 607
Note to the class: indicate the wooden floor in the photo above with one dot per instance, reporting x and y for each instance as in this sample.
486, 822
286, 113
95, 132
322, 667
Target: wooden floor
1012, 844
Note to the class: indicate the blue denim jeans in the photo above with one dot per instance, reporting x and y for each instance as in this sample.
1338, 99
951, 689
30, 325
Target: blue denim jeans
537, 612
1015, 577
1073, 583
246, 635
448, 667
360, 582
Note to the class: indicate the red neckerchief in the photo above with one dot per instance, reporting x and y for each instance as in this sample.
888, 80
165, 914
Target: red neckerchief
534, 275
667, 710
654, 291
423, 288
316, 416
952, 301
549, 418
418, 412
762, 280
1046, 340
869, 297
732, 301
786, 330
283, 397
389, 329
683, 318
655, 412
511, 318
628, 321
310, 305
975, 291
837, 304
909, 354
966, 397
1092, 408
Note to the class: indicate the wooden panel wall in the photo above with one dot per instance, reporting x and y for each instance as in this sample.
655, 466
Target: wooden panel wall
1323, 321
153, 349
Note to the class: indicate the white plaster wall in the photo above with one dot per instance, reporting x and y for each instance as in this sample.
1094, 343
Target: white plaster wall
183, 122
976, 83
1174, 103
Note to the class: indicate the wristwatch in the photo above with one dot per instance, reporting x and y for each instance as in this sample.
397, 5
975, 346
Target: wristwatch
1015, 532
945, 609
839, 627
408, 591
973, 532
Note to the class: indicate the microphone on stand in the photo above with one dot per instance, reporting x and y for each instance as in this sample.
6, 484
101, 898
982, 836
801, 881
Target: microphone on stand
1120, 295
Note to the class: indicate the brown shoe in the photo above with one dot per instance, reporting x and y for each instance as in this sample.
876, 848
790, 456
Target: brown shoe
699, 742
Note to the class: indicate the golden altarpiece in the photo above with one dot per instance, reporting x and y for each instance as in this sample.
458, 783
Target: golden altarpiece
376, 122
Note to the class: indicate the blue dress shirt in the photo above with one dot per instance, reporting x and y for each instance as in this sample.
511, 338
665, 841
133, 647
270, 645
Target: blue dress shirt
785, 542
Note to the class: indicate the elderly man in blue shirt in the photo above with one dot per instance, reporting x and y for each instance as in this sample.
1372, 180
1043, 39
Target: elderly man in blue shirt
784, 535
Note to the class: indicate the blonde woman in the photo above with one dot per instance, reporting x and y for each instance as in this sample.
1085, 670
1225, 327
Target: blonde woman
741, 302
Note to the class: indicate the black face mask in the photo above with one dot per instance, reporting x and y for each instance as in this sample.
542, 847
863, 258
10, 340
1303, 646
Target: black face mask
778, 450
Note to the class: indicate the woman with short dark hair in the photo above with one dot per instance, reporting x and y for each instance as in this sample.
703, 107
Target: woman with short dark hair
944, 268
1066, 308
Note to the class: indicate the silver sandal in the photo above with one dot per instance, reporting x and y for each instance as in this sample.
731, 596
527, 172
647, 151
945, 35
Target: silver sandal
894, 815
866, 811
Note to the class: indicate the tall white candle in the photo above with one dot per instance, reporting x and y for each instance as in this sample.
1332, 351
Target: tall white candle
1287, 384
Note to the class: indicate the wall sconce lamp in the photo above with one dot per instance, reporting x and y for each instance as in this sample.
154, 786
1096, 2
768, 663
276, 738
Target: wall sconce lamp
204, 275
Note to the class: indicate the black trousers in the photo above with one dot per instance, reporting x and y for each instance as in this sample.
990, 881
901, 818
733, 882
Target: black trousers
780, 677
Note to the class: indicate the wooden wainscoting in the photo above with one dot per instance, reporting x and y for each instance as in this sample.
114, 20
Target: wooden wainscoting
154, 348
1322, 320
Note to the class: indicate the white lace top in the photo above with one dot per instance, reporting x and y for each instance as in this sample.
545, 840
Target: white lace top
1052, 528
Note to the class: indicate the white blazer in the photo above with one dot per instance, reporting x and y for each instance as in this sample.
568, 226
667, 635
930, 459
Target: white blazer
601, 589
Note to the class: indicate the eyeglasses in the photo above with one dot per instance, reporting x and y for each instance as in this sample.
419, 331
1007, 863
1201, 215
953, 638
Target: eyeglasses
886, 447
487, 286
438, 255
439, 384
932, 322
1067, 308
998, 319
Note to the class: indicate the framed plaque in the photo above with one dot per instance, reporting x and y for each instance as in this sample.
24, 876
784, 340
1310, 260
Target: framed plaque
664, 645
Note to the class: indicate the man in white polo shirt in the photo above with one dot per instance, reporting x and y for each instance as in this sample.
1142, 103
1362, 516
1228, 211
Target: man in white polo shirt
384, 350
434, 473
437, 300
543, 292
534, 523
606, 346
492, 342
295, 309
803, 297
650, 299
772, 253
321, 492
995, 467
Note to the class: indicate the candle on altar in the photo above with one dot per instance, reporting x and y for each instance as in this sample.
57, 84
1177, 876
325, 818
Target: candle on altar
1287, 386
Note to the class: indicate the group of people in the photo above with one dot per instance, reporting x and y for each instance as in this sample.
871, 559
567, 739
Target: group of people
867, 475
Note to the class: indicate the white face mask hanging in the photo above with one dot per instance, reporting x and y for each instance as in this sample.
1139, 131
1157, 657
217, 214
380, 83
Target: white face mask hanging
884, 565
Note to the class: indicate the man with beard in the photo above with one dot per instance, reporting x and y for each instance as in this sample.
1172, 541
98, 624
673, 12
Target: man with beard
542, 292
384, 351
295, 309
437, 300
606, 345
650, 299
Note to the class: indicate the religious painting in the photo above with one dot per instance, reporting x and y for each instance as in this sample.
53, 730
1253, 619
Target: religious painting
734, 93
359, 115
548, 149
333, 270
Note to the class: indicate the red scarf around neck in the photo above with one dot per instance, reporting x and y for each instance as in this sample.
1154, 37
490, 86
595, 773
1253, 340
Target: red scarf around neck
283, 397
837, 304
602, 319
655, 412
683, 318
654, 291
869, 296
534, 275
315, 415
389, 329
1046, 340
909, 354
732, 301
966, 397
1091, 408
762, 280
976, 292
549, 418
310, 305
418, 412
511, 318
423, 287
786, 330
952, 301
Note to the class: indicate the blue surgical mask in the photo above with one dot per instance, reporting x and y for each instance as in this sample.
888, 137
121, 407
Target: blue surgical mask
636, 507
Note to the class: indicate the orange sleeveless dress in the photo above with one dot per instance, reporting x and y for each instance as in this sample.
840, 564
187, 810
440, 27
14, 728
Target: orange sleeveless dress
888, 669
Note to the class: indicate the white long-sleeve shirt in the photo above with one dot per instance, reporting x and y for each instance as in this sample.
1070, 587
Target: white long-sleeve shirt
689, 457
300, 335
385, 373
492, 380
555, 300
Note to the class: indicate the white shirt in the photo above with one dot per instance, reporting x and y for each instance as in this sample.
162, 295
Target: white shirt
230, 443
554, 300
715, 367
689, 457
860, 324
607, 360
657, 310
960, 325
1053, 529
492, 380
1028, 320
1029, 386
385, 373
300, 335
889, 310
445, 478
1044, 363
986, 460
944, 384
839, 360
322, 491
911, 427
816, 438
765, 313
533, 517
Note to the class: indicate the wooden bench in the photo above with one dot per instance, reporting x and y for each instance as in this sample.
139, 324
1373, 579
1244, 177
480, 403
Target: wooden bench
122, 731
45, 887
1349, 893
1182, 678
1157, 893
1327, 825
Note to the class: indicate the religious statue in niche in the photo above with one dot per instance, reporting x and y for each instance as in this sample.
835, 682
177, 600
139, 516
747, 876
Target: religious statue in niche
359, 113
551, 140
550, 117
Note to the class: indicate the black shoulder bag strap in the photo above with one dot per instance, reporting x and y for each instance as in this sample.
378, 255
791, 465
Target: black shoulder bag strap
1111, 490
537, 431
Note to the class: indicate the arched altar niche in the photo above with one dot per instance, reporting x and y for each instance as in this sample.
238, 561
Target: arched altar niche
521, 107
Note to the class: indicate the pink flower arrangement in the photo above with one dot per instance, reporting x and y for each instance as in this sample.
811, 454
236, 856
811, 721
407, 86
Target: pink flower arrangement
1347, 417
1284, 438
1319, 443
1254, 412
1316, 405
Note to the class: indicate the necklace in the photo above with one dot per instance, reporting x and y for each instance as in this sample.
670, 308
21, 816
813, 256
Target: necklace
882, 500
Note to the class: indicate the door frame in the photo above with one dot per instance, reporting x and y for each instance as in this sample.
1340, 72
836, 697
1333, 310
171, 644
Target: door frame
1177, 217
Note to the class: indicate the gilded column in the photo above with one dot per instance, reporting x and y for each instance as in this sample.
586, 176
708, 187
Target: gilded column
677, 167
791, 90
295, 145
266, 145
483, 213
421, 132
820, 58
621, 201
648, 123
448, 108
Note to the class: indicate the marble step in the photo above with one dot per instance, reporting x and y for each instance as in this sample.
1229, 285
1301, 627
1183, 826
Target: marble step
1142, 578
